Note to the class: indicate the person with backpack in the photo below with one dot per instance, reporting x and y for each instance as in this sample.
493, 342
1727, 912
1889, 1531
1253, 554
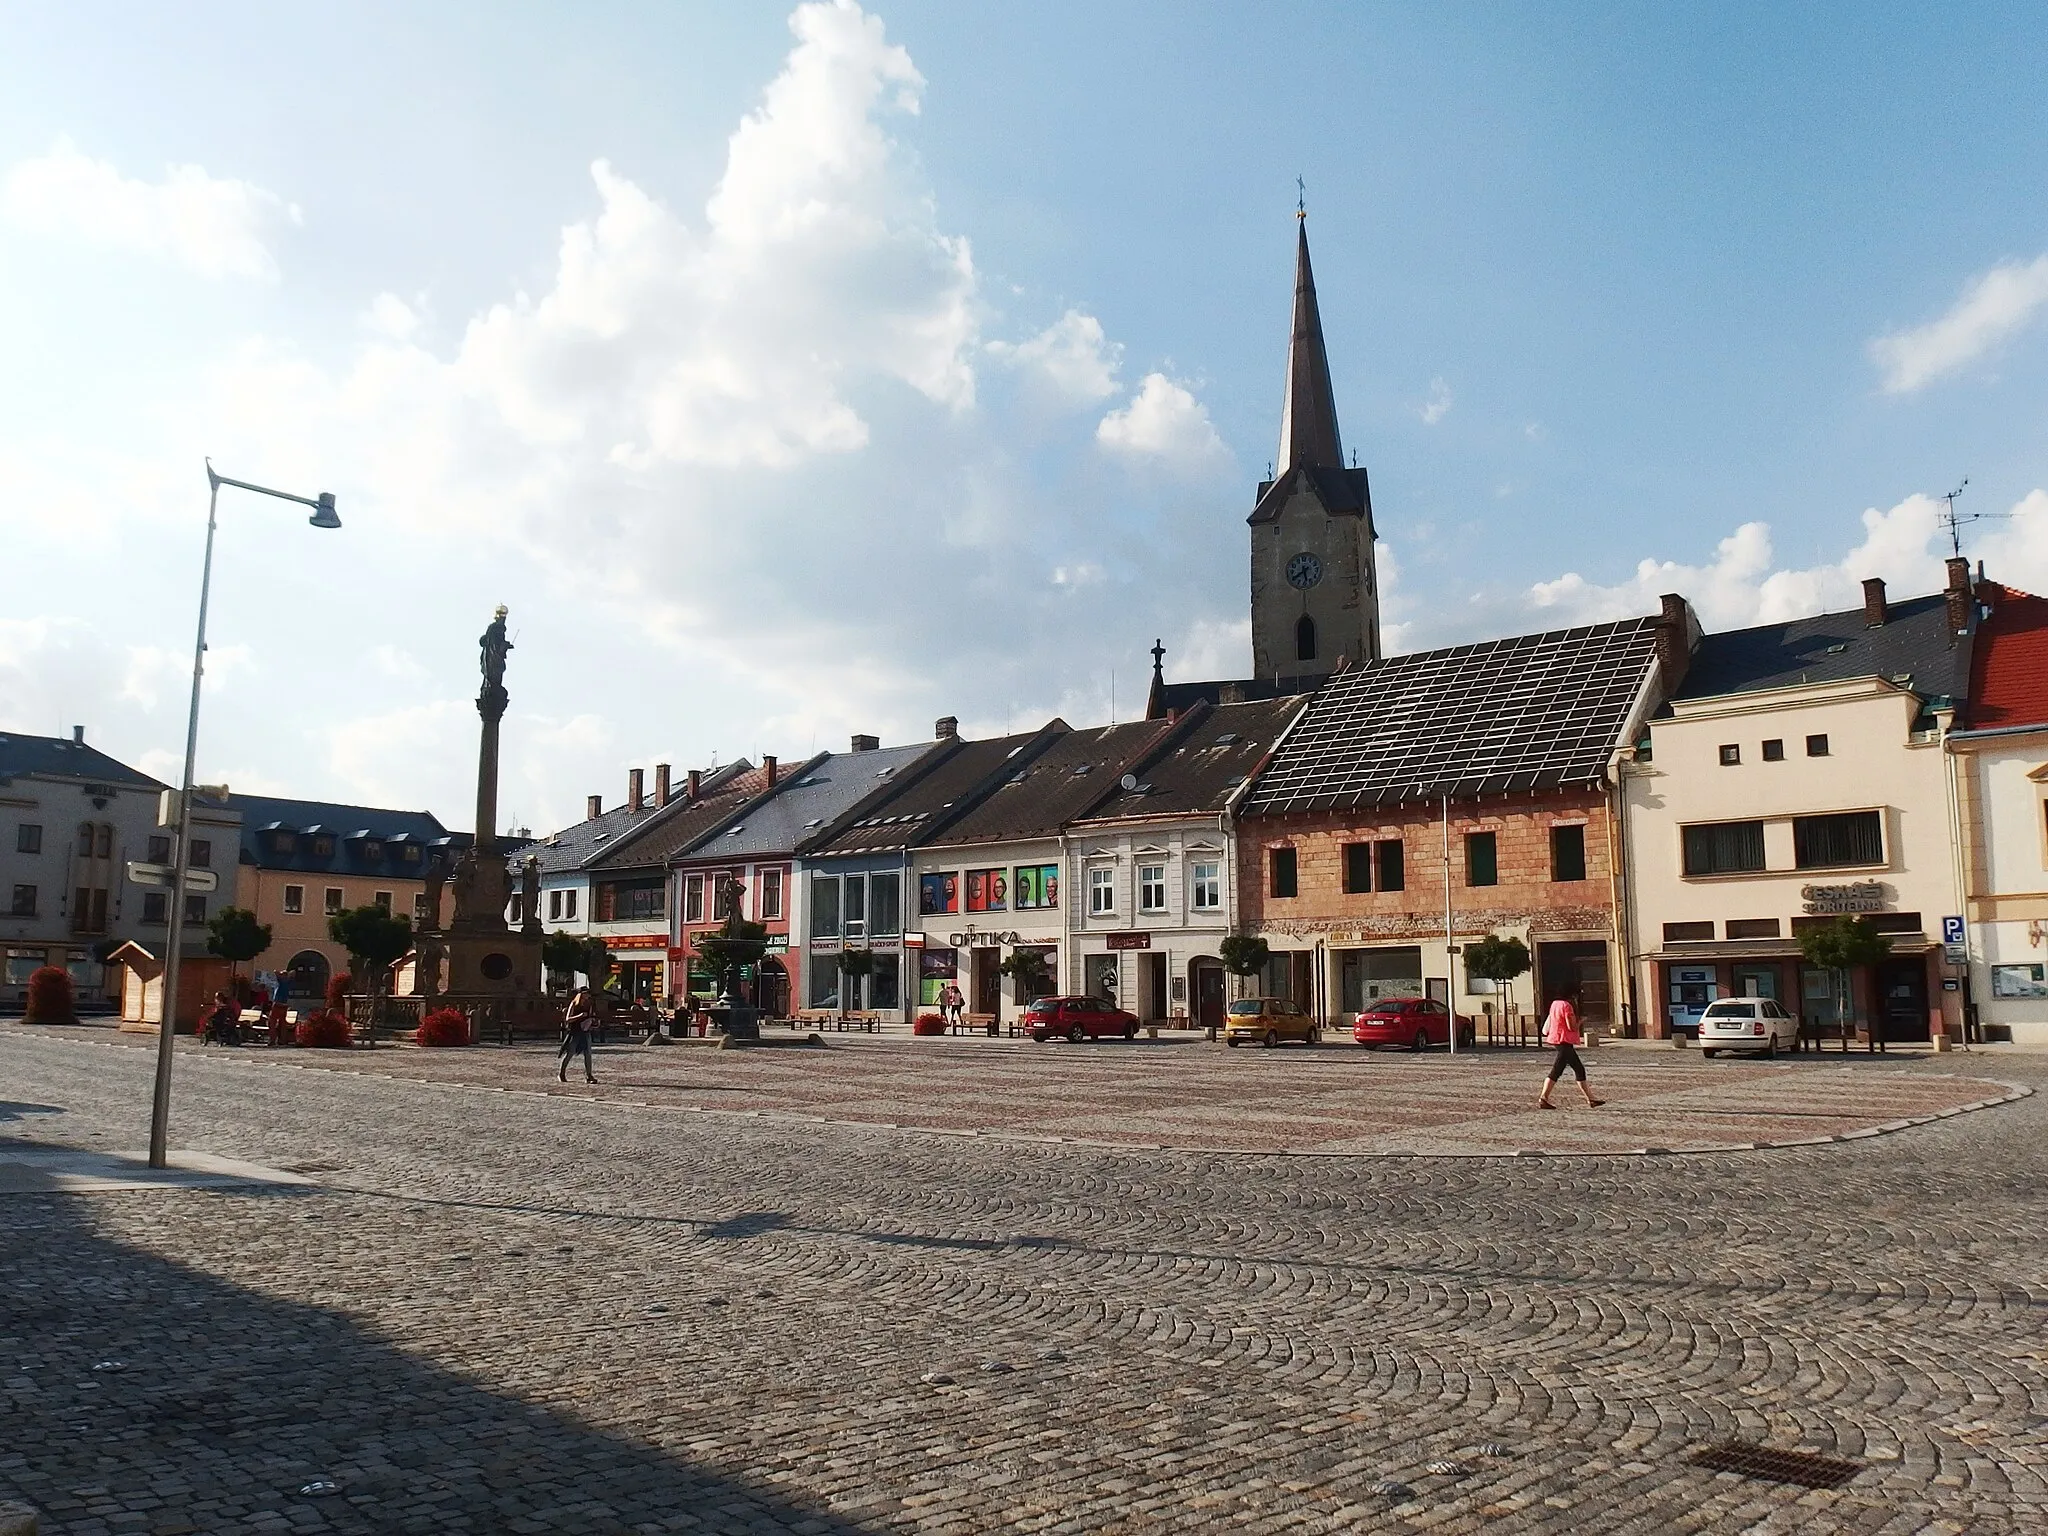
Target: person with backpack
576, 1019
1561, 1031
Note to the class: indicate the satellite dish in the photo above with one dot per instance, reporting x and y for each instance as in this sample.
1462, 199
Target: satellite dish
1129, 781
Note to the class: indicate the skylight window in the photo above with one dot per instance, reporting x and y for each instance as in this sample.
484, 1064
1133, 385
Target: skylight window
1227, 739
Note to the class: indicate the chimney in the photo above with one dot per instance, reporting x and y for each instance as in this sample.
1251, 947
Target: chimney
1674, 642
593, 807
78, 735
695, 784
768, 769
866, 743
661, 785
947, 728
636, 790
1958, 595
1874, 613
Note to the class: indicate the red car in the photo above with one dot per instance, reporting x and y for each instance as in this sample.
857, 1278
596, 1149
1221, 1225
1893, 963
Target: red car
1078, 1019
1416, 1022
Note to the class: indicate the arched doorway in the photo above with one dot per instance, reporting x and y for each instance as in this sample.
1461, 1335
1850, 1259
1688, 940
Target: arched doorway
307, 974
774, 989
1206, 990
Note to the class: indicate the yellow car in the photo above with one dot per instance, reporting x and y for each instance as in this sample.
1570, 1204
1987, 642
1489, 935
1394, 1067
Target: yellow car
1268, 1021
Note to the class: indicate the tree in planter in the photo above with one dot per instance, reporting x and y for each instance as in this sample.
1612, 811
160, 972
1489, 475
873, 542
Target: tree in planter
1030, 977
561, 955
1244, 954
852, 963
375, 940
234, 934
1839, 948
1499, 960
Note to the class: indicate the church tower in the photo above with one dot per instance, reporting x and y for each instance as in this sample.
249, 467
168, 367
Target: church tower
1315, 588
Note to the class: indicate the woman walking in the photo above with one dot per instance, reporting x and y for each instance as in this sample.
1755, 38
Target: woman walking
576, 1034
1561, 1030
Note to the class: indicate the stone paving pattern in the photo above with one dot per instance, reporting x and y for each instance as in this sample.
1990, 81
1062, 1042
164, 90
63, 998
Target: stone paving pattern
501, 1312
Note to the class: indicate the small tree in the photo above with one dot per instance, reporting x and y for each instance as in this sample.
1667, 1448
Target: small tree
1030, 975
234, 934
1499, 960
852, 963
1839, 948
1244, 954
561, 954
375, 940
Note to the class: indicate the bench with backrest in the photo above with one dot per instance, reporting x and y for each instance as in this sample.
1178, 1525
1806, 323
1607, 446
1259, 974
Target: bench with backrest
974, 1024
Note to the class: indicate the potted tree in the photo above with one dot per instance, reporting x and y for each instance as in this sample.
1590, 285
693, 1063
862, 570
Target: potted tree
375, 940
852, 963
234, 934
1840, 948
561, 956
1243, 955
1030, 977
1500, 960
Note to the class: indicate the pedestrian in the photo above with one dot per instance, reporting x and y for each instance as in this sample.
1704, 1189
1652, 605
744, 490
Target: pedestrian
1561, 1031
951, 1001
576, 1034
276, 1015
223, 1022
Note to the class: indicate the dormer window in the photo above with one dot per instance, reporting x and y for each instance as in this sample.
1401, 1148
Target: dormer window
373, 850
412, 853
323, 847
282, 842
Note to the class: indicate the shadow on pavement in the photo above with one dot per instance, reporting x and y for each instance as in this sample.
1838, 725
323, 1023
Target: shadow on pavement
133, 1386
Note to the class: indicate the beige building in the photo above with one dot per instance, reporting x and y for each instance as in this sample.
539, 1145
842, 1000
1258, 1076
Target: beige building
1798, 775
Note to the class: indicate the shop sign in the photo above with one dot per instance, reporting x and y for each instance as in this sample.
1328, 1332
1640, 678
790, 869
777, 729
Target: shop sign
974, 938
1864, 896
1130, 941
778, 943
913, 941
616, 942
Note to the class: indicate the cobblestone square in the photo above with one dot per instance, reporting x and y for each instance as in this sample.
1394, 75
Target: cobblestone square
499, 1305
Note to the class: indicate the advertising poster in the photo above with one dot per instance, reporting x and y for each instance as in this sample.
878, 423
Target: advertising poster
935, 967
1038, 886
2019, 981
937, 893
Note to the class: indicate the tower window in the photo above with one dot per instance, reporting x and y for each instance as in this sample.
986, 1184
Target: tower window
1305, 639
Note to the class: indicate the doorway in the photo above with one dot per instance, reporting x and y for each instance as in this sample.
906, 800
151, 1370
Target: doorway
1152, 989
1577, 971
988, 981
1902, 998
1209, 990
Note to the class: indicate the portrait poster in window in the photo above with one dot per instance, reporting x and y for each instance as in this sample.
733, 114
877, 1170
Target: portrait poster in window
937, 893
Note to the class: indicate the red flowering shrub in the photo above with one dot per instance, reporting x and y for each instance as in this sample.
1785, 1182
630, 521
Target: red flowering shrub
444, 1026
337, 991
929, 1024
325, 1030
51, 997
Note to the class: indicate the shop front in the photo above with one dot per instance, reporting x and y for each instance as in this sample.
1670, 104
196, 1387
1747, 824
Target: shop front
640, 967
1898, 995
972, 959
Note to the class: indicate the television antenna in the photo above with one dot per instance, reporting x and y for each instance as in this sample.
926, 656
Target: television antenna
1948, 519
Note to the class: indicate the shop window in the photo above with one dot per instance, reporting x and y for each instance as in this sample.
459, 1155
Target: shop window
693, 899
938, 894
1357, 868
160, 849
1206, 876
1753, 928
771, 894
1830, 842
195, 911
294, 899
1305, 639
28, 838
330, 900
1689, 933
1152, 887
1816, 746
1567, 853
1390, 863
885, 907
1731, 755
24, 904
1101, 892
156, 908
1482, 858
824, 906
1723, 847
987, 891
202, 853
1774, 751
1036, 886
1280, 873
885, 983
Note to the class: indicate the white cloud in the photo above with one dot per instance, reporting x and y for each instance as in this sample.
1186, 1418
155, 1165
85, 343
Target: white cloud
391, 317
1438, 405
1162, 420
1072, 357
1992, 309
212, 226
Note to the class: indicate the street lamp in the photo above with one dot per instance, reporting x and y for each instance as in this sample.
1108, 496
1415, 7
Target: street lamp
160, 1109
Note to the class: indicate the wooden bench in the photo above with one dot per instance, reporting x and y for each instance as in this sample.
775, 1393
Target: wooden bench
831, 1018
974, 1024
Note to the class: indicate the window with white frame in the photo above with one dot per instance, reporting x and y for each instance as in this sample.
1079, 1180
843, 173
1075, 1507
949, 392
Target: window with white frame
295, 899
1205, 877
771, 894
825, 907
569, 904
693, 898
1101, 891
554, 906
1152, 887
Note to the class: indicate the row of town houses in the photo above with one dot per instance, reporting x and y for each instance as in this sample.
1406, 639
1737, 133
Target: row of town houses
1656, 812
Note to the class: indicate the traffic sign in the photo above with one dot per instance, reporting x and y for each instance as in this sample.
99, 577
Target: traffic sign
196, 880
1951, 930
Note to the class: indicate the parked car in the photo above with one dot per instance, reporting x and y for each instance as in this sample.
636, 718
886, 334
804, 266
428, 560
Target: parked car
1269, 1020
1077, 1019
1416, 1022
1746, 1024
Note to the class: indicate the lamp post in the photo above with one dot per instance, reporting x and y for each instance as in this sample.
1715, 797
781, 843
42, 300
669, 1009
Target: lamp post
160, 1108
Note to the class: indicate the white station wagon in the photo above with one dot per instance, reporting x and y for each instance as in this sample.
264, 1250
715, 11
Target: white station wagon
1746, 1024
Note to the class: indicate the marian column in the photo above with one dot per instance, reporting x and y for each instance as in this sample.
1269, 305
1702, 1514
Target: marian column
491, 700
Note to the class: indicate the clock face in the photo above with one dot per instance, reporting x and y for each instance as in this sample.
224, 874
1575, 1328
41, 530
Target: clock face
1304, 570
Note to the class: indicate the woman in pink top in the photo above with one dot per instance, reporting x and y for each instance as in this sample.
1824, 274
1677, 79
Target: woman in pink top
1561, 1029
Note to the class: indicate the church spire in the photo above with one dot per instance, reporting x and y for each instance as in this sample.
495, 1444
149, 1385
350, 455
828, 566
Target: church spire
1308, 415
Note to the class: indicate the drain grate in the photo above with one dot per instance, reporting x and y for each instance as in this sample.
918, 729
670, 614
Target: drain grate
1800, 1467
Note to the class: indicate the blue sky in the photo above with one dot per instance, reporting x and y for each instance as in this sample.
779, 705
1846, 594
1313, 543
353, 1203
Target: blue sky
921, 360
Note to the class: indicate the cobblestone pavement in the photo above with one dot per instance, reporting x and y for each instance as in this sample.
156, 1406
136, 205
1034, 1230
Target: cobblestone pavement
498, 1312
1192, 1095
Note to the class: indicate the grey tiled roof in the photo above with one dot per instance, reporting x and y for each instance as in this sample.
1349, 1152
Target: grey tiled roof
574, 847
1055, 787
931, 793
1197, 769
61, 757
1528, 713
811, 798
1912, 647
264, 815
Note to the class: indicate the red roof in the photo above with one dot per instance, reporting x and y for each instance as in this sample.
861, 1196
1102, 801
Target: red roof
2009, 670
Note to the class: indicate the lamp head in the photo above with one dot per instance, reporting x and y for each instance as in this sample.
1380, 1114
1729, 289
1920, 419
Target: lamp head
324, 515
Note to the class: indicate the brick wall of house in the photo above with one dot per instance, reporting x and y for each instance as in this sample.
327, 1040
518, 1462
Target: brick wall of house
1526, 893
